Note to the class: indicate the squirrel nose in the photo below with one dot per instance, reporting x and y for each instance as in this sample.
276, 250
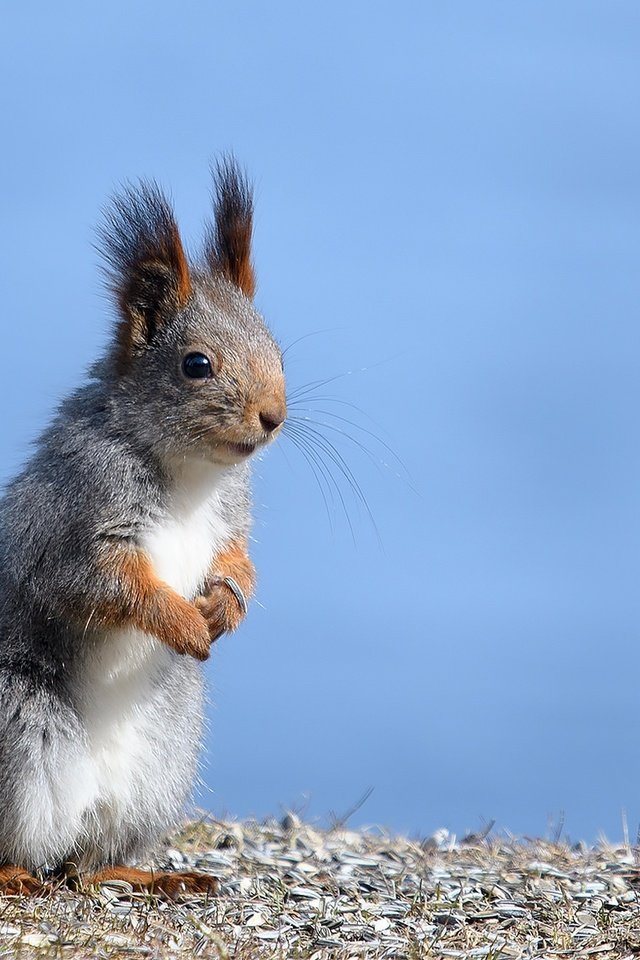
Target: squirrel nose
271, 419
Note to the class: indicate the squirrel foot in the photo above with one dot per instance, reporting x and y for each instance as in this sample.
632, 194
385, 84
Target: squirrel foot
167, 884
16, 881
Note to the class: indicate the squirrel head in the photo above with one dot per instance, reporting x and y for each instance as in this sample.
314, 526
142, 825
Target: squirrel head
201, 372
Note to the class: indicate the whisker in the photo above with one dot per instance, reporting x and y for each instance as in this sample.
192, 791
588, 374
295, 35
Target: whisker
319, 423
331, 481
333, 452
344, 403
305, 336
377, 460
316, 384
299, 446
336, 457
298, 437
86, 626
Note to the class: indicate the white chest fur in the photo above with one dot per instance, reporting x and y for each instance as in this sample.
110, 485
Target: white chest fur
120, 715
192, 529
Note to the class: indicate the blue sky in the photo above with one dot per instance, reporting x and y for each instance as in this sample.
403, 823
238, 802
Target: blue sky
448, 202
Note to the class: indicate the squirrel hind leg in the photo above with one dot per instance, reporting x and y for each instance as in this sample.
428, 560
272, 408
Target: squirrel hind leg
16, 881
166, 884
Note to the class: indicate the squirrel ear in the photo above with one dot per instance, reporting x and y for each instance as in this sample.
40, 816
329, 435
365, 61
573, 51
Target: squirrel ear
228, 242
146, 266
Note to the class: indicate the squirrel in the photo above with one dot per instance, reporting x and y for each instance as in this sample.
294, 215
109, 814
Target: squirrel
123, 551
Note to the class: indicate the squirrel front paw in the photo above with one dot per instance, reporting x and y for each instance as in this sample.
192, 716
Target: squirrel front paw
221, 609
184, 628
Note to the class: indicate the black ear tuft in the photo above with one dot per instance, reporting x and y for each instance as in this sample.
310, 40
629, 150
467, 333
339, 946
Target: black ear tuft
145, 263
228, 243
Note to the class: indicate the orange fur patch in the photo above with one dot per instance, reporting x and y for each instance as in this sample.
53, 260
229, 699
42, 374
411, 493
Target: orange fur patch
266, 392
235, 257
245, 275
181, 267
129, 333
234, 561
141, 599
16, 881
162, 883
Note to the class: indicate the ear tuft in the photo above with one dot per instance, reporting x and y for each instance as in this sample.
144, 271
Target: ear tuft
228, 243
145, 264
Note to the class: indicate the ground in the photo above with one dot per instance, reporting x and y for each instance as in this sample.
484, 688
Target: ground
289, 890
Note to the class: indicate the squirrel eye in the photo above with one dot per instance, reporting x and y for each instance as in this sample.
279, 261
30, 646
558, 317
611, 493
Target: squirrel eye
197, 366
